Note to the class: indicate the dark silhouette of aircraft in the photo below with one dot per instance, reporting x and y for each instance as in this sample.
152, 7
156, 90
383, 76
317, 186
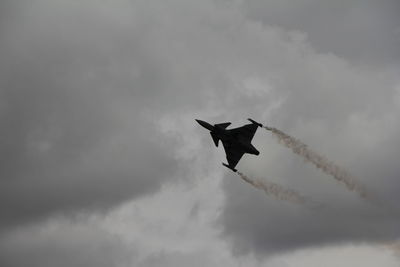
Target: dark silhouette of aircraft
236, 141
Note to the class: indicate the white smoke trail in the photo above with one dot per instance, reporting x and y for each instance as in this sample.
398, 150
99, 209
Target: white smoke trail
275, 190
320, 162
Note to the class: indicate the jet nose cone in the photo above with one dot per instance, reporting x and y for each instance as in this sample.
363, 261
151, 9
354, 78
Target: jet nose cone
205, 124
200, 122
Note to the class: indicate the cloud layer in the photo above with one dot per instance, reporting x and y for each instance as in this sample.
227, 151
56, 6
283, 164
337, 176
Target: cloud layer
98, 101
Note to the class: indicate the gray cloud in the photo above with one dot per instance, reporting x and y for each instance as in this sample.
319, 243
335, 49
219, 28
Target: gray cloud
338, 104
364, 31
74, 134
85, 85
366, 144
177, 259
65, 244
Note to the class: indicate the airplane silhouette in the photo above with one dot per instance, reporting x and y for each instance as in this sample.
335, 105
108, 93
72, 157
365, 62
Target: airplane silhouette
236, 141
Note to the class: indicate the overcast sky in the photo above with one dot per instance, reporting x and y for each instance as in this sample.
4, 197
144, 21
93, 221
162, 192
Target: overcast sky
103, 164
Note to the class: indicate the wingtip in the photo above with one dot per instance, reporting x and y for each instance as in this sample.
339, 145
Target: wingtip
229, 167
254, 122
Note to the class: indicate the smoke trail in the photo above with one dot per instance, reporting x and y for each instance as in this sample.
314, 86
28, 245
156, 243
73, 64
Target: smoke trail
274, 189
319, 161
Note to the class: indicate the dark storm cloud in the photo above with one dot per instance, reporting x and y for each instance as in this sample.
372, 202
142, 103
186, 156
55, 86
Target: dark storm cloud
73, 130
67, 244
262, 226
83, 86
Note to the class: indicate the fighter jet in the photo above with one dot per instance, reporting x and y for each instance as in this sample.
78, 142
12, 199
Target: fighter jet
236, 141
